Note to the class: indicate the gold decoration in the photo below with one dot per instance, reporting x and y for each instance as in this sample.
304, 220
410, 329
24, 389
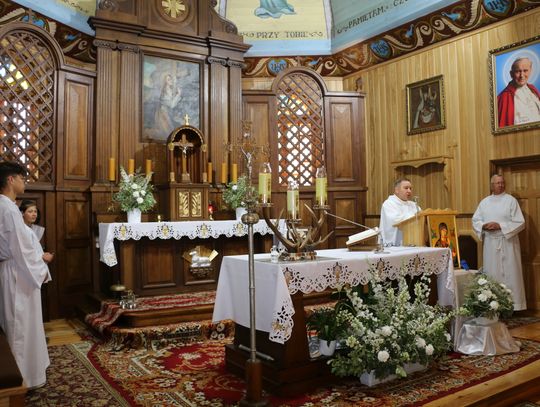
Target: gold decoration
196, 204
183, 204
174, 8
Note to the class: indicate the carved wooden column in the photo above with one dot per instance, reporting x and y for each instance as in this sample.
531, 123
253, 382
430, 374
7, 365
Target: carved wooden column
219, 108
129, 117
106, 107
235, 100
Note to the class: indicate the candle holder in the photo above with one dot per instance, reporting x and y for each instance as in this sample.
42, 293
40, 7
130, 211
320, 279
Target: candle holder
299, 244
111, 207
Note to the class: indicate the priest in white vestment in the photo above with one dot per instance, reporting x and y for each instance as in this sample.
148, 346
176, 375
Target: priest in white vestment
23, 270
497, 221
395, 209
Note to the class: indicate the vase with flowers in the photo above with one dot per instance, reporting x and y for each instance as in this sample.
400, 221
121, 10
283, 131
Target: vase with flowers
387, 332
134, 194
235, 195
487, 300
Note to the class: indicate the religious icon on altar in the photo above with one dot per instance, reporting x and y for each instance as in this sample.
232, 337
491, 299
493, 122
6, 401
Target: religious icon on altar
443, 233
170, 89
186, 154
425, 106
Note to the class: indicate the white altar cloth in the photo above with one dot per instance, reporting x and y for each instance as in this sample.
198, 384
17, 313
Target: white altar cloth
108, 232
276, 282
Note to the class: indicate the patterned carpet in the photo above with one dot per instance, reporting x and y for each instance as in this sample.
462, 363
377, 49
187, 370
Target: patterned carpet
93, 373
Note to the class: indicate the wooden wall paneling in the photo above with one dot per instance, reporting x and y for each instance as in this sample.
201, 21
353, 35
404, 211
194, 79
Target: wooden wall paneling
74, 249
258, 109
129, 110
75, 130
235, 105
347, 206
467, 139
107, 101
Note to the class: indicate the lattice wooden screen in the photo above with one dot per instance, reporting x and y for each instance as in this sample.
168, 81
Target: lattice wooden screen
300, 128
27, 104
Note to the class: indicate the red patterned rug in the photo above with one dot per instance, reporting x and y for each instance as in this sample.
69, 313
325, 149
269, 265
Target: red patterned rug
194, 375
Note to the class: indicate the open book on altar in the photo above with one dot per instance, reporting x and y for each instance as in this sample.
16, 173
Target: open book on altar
360, 237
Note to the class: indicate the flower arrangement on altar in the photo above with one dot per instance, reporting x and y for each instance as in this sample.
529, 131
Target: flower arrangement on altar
388, 330
487, 298
135, 191
235, 194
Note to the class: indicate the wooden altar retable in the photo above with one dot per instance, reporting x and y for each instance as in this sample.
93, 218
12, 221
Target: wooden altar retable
280, 319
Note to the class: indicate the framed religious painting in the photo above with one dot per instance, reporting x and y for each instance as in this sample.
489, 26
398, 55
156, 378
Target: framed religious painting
443, 233
171, 92
425, 106
515, 86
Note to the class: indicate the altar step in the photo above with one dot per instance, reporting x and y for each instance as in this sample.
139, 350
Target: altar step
188, 319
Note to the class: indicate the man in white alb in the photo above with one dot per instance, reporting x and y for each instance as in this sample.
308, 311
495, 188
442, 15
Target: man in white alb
497, 221
519, 102
23, 269
395, 209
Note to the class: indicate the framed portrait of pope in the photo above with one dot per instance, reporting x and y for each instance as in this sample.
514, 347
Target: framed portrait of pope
515, 86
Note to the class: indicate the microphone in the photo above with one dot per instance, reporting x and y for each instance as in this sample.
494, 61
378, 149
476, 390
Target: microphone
415, 199
358, 237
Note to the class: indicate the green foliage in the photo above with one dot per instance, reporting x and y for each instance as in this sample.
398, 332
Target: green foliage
327, 324
488, 298
386, 328
235, 195
135, 191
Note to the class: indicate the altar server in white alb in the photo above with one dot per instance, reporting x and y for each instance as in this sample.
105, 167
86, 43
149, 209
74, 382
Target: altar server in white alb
23, 269
497, 221
395, 209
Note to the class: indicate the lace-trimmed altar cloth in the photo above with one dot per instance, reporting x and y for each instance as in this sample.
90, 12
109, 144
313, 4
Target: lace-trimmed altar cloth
108, 232
275, 283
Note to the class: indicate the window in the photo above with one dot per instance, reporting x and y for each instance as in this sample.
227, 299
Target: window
300, 128
27, 104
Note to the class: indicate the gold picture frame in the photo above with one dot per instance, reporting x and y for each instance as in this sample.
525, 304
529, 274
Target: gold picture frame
504, 117
425, 105
443, 233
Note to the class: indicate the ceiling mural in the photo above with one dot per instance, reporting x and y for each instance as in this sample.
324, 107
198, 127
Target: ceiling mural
280, 27
462, 17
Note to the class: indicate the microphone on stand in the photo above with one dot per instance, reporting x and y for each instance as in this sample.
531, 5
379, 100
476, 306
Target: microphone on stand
415, 199
358, 237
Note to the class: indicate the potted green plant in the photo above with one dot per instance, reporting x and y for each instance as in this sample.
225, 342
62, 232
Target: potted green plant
328, 328
235, 195
134, 194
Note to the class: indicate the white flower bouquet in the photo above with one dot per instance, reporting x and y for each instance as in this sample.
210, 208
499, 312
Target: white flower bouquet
135, 192
235, 195
487, 298
386, 330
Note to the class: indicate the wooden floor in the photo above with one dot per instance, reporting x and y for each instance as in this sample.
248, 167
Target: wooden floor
507, 390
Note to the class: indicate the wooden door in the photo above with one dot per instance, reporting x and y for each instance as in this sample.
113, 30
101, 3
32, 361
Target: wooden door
523, 182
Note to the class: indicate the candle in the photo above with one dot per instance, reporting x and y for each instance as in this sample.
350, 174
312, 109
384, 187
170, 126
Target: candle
148, 167
293, 199
171, 177
209, 172
265, 183
204, 177
321, 186
234, 173
224, 174
112, 169
131, 166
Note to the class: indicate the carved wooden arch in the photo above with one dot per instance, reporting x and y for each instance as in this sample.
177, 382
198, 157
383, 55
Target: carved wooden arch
44, 35
300, 125
307, 71
29, 103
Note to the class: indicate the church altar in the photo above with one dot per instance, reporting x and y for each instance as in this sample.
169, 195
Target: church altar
275, 283
157, 258
108, 232
281, 336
